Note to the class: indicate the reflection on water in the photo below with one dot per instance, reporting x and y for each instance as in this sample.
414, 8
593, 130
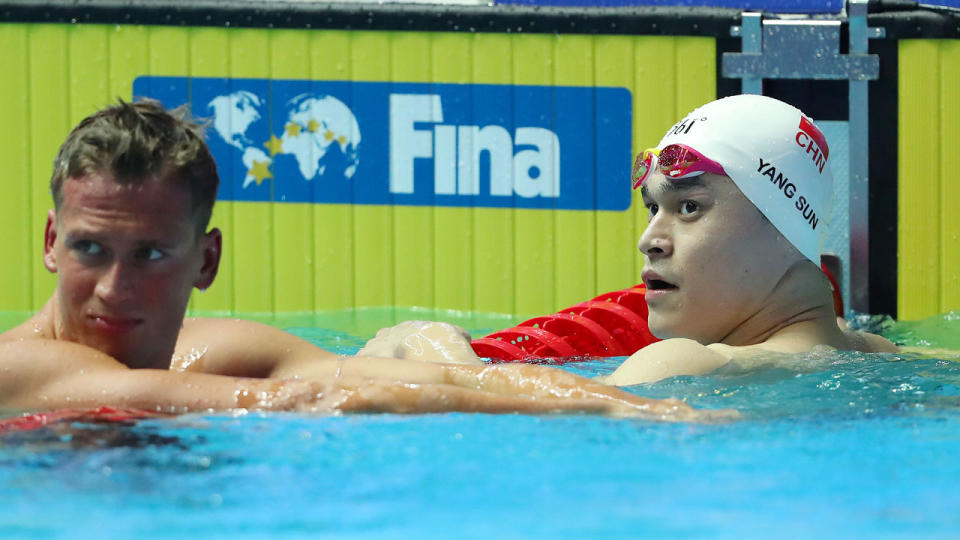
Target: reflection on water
86, 436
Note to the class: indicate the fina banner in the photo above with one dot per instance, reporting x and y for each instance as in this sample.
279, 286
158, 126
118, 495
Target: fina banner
416, 144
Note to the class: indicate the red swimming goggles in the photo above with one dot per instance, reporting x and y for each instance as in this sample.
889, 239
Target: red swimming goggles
675, 161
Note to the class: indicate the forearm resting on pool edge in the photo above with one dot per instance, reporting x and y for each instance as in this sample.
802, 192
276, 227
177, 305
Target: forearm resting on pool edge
46, 375
529, 382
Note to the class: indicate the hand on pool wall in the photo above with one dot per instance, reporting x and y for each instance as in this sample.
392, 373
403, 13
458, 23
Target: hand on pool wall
426, 341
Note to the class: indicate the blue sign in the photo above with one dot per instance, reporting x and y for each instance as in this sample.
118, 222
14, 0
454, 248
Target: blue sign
775, 6
415, 144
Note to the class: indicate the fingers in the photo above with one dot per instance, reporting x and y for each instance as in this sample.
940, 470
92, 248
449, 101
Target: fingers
423, 340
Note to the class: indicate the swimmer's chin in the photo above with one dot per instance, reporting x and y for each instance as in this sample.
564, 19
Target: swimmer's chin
665, 330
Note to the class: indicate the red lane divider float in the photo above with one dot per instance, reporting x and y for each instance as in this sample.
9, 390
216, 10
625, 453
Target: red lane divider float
96, 415
612, 324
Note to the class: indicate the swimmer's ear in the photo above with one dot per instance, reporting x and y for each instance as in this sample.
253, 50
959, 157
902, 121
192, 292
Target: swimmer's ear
49, 238
212, 248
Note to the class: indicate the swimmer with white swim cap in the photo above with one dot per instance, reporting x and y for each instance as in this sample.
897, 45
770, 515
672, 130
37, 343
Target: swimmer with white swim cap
738, 193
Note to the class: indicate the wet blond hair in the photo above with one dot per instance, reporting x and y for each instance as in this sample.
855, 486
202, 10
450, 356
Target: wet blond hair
137, 142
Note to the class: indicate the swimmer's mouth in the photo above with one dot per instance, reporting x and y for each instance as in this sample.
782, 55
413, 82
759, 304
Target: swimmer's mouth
114, 325
654, 282
659, 284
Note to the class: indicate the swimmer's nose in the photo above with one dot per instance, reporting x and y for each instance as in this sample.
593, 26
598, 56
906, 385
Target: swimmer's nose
655, 241
115, 285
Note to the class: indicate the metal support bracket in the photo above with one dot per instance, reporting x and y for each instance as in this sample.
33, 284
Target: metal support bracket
793, 48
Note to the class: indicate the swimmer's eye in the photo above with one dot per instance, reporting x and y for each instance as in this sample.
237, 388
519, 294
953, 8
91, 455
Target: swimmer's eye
87, 248
653, 209
688, 207
149, 254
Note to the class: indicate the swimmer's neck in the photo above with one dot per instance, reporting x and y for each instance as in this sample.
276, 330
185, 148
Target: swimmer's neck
48, 323
817, 323
799, 308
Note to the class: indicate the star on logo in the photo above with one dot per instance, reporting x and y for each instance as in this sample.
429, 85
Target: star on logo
260, 171
275, 145
293, 129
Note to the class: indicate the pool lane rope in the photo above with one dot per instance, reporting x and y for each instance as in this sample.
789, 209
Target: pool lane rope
612, 324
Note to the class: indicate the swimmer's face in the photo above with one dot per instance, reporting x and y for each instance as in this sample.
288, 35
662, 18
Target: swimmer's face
711, 258
126, 259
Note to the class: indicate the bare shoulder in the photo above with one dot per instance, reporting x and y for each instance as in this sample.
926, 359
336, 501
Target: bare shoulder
31, 357
236, 347
203, 331
669, 358
30, 365
201, 327
869, 343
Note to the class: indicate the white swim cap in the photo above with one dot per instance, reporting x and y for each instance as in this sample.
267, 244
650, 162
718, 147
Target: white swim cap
774, 154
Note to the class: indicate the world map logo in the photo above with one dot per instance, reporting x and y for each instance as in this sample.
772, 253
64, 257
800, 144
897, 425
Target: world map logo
320, 132
435, 144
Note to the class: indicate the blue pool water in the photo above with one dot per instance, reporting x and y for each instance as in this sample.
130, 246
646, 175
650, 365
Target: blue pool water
849, 446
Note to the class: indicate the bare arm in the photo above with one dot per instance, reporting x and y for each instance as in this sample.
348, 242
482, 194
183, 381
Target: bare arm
518, 387
542, 382
44, 374
242, 348
48, 374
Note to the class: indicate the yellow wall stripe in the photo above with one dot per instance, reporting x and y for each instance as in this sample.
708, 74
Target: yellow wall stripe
919, 191
575, 259
286, 257
371, 56
453, 266
16, 218
534, 232
949, 136
293, 227
333, 225
413, 227
209, 51
616, 259
47, 125
494, 253
253, 286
